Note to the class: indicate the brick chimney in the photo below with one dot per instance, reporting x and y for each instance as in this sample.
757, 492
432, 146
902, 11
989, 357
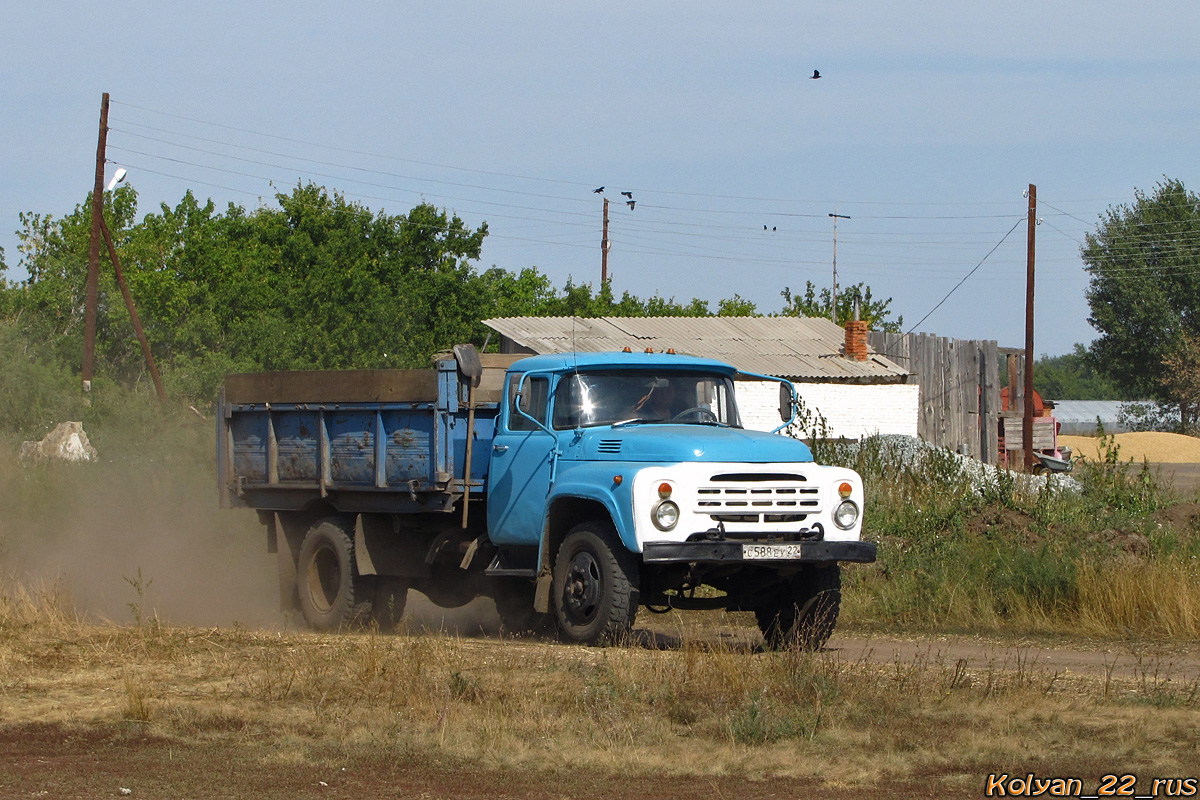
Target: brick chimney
856, 340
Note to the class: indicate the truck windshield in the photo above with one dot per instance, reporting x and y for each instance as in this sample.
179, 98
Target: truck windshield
588, 399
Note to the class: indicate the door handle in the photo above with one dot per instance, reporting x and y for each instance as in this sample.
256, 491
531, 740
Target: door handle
500, 448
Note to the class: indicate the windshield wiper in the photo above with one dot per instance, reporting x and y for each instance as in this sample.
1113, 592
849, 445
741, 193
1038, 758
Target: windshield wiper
634, 421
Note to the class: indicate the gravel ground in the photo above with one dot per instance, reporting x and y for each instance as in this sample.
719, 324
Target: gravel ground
910, 452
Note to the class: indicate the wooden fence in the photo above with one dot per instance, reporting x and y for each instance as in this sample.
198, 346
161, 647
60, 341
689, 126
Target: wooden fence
960, 388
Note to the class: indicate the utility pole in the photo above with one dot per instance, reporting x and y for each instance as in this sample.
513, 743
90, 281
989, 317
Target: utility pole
604, 245
133, 315
1027, 427
92, 290
833, 309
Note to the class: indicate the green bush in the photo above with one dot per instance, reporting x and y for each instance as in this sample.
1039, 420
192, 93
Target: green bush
36, 391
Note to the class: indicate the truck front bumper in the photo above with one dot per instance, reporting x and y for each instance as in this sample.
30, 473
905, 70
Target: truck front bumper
757, 553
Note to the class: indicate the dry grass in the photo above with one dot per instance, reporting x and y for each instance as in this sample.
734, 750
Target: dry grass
1152, 599
692, 708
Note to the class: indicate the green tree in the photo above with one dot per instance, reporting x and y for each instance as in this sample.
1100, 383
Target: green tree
1144, 290
1181, 379
876, 313
1072, 377
736, 306
314, 282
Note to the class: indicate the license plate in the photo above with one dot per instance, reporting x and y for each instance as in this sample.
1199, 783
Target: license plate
770, 552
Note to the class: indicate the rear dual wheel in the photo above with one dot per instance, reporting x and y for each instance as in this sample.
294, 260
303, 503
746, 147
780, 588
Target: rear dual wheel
332, 594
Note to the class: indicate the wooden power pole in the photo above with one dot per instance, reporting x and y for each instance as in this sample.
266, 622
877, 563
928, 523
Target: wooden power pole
604, 245
1027, 427
92, 290
833, 305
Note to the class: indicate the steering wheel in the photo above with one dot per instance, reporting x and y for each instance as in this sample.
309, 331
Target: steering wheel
700, 411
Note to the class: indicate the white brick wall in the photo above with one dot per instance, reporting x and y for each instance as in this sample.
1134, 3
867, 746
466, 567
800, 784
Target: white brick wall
851, 411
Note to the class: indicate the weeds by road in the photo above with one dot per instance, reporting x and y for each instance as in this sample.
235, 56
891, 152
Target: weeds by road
685, 705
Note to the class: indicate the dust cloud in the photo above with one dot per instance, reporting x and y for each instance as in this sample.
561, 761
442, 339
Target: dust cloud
147, 538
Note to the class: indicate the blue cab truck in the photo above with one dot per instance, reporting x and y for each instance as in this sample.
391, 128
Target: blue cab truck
571, 489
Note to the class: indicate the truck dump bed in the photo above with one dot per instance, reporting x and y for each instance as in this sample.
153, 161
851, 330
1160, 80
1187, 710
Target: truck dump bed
363, 440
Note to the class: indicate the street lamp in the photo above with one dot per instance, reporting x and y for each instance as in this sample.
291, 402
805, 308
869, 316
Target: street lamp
118, 177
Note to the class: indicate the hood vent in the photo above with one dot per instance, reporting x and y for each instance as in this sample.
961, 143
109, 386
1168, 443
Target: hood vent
609, 446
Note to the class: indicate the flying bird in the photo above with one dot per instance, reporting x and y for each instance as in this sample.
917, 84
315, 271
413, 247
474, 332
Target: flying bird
598, 191
816, 74
631, 204
627, 194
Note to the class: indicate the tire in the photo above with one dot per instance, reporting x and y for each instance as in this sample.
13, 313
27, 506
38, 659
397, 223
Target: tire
327, 581
595, 585
514, 606
805, 613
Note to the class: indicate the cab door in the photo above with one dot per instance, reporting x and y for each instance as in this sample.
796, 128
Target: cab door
522, 459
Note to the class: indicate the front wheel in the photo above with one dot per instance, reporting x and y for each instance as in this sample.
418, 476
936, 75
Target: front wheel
803, 614
595, 585
326, 578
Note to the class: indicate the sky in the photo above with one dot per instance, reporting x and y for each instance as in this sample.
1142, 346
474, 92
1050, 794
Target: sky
924, 131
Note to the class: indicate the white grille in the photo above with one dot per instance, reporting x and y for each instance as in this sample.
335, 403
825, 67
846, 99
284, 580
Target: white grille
750, 494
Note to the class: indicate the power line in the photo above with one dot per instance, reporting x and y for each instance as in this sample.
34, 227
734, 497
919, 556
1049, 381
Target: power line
968, 275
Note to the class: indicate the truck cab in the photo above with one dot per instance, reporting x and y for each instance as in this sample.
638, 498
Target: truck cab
633, 478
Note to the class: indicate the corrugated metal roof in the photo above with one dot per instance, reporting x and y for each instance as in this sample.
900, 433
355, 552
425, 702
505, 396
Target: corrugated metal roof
806, 348
1078, 417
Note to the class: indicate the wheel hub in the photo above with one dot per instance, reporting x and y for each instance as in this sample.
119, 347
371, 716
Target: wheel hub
581, 591
324, 573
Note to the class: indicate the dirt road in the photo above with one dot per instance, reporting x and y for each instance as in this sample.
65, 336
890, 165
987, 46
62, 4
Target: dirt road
99, 756
1130, 661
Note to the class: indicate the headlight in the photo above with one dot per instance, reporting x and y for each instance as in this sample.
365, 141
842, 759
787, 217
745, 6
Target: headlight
845, 515
665, 515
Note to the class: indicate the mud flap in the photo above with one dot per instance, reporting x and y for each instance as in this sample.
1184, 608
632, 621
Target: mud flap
541, 596
379, 549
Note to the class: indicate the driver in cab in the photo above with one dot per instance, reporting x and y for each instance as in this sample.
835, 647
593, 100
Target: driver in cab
659, 402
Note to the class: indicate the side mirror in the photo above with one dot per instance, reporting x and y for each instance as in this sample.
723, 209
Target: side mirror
787, 401
469, 365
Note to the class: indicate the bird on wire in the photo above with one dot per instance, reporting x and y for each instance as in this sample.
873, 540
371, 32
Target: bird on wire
816, 74
598, 191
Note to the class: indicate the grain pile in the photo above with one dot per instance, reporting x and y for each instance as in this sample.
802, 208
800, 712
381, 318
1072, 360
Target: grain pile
1157, 448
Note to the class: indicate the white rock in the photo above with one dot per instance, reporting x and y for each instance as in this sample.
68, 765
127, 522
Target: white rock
67, 442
